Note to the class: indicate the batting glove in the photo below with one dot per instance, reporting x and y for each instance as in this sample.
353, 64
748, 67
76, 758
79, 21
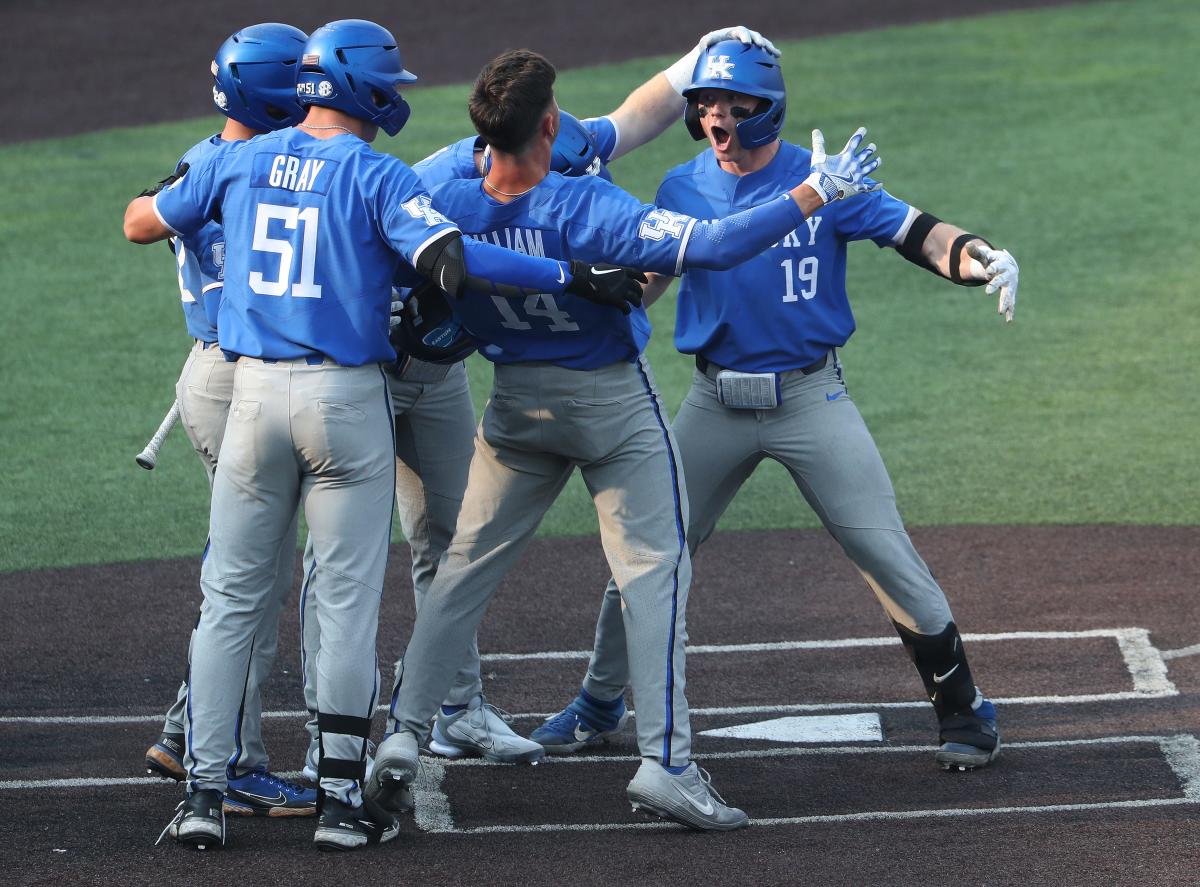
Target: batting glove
845, 174
999, 269
606, 285
680, 73
170, 180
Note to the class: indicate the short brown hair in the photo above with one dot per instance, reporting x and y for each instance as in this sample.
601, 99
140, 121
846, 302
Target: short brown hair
509, 97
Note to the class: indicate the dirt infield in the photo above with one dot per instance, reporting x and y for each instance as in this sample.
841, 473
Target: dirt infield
1085, 635
74, 66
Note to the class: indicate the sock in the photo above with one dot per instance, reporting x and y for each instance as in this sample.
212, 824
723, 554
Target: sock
609, 704
448, 710
676, 771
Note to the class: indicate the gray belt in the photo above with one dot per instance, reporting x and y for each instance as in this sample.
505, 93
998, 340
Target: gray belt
711, 369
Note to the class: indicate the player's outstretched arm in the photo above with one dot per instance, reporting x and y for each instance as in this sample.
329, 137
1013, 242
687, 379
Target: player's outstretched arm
655, 105
720, 245
962, 257
458, 264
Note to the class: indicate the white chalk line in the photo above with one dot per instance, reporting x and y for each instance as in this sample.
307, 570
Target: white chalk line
1145, 663
1193, 650
873, 815
1185, 747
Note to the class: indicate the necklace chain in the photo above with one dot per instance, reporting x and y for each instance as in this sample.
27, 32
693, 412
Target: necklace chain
505, 193
331, 126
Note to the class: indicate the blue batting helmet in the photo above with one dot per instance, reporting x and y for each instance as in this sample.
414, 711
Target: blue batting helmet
575, 152
736, 67
354, 66
254, 76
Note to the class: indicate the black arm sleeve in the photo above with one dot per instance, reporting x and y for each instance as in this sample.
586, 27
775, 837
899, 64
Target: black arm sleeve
912, 248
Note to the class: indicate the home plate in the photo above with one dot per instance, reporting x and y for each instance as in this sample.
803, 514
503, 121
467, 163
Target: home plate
812, 728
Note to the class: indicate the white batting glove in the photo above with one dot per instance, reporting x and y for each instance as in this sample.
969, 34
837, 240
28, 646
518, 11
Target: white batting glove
843, 175
680, 73
999, 269
397, 309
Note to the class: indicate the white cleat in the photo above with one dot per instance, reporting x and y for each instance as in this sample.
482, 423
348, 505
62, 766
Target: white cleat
482, 730
688, 798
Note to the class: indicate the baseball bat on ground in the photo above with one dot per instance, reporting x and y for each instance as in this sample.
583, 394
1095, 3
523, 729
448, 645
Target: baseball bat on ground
148, 457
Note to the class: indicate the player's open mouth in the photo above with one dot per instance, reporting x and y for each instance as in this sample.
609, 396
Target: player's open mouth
720, 138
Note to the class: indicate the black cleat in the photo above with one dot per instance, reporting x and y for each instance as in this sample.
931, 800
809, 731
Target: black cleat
165, 757
969, 740
341, 827
199, 821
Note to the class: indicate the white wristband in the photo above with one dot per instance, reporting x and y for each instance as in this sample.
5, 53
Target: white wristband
680, 74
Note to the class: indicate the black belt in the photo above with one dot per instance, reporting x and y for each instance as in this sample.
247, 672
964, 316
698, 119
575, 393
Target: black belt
703, 365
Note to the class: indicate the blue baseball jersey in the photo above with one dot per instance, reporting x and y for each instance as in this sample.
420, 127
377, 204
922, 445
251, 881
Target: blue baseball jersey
785, 308
583, 218
200, 260
458, 159
315, 230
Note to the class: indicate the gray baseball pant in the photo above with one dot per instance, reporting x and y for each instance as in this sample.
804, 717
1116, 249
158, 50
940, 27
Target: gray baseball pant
819, 436
540, 424
204, 389
435, 437
319, 436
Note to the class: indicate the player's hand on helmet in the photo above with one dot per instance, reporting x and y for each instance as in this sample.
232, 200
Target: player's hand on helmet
740, 33
607, 285
680, 74
180, 172
845, 174
999, 269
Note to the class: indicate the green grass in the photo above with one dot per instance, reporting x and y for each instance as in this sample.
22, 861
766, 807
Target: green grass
1064, 135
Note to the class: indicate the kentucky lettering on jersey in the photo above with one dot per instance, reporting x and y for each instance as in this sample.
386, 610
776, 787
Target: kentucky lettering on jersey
585, 218
787, 306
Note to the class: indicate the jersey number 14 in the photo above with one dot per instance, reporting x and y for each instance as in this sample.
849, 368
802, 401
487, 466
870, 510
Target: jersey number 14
292, 217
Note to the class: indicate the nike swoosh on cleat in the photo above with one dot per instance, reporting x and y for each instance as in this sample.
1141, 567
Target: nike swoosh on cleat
938, 678
277, 801
581, 734
706, 808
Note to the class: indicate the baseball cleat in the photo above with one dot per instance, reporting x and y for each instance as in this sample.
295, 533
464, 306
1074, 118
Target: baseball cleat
396, 765
261, 793
199, 821
165, 757
969, 740
688, 798
341, 827
580, 725
482, 730
313, 757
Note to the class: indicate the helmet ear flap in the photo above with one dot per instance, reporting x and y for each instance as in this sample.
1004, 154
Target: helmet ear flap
691, 117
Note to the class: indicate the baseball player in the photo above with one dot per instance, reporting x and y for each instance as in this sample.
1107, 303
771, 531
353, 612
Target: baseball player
316, 222
435, 419
572, 388
254, 75
769, 384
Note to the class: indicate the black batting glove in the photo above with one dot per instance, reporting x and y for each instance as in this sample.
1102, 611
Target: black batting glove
606, 284
170, 180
